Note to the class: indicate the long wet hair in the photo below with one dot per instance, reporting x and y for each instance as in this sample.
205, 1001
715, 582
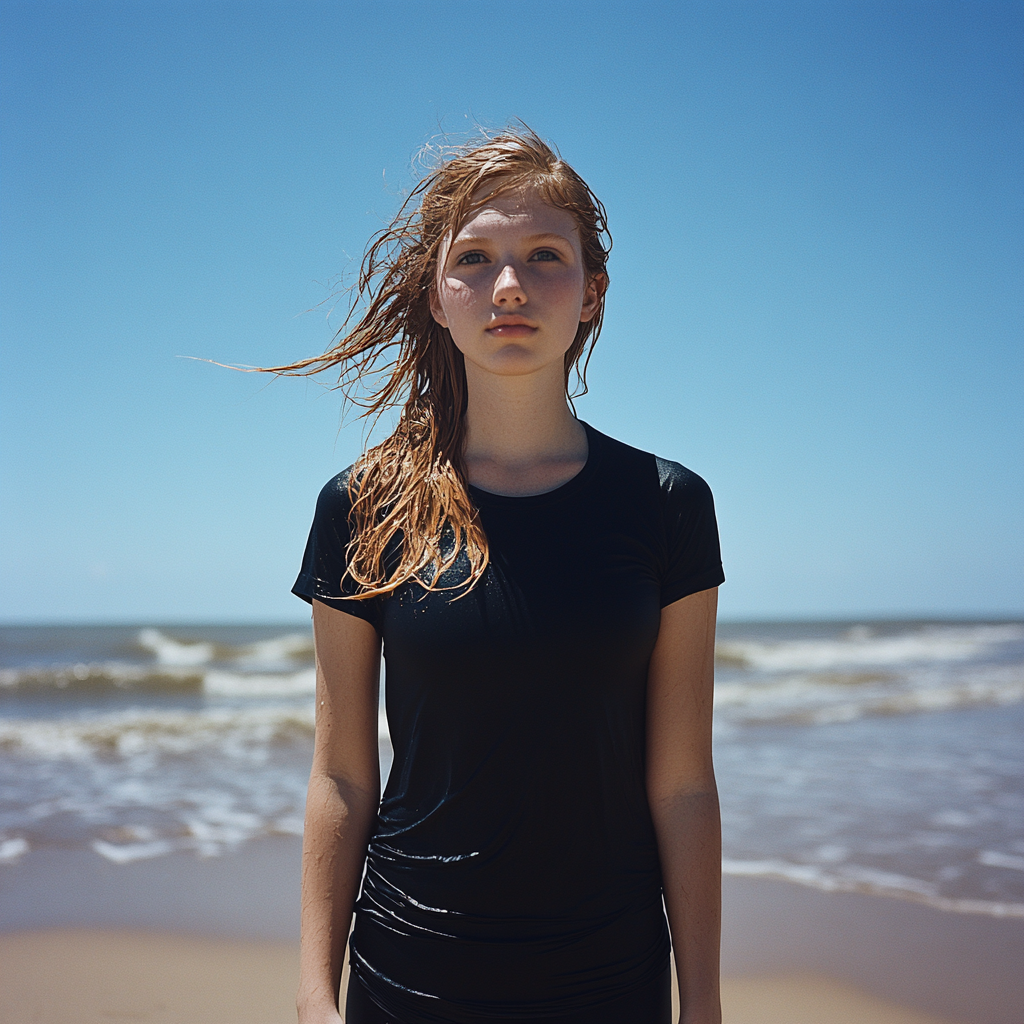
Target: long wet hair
409, 493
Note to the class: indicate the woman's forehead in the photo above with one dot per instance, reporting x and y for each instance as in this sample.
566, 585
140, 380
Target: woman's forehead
525, 206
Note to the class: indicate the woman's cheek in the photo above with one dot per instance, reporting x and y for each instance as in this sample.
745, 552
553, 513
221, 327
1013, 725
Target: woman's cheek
456, 298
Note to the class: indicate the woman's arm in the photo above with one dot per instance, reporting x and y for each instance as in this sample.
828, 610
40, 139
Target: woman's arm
344, 792
683, 797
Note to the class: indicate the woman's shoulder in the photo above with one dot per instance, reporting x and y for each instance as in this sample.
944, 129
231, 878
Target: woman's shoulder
335, 498
673, 479
677, 503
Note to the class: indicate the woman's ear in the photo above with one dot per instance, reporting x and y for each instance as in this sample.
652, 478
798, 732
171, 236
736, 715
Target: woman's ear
592, 296
435, 308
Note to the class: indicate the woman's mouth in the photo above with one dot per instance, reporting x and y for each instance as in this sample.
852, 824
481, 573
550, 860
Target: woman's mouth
512, 327
511, 331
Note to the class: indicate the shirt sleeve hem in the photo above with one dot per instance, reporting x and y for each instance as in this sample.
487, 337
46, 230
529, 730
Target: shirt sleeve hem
305, 588
692, 585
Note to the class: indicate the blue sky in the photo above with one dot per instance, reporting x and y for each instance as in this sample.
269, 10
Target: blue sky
816, 296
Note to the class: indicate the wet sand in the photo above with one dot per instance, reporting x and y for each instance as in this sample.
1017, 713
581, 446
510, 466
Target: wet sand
95, 977
960, 967
183, 939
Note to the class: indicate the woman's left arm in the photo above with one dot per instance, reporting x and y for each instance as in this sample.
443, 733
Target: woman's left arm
684, 799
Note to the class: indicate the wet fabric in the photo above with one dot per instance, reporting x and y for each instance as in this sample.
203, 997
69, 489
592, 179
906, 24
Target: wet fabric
651, 1004
513, 871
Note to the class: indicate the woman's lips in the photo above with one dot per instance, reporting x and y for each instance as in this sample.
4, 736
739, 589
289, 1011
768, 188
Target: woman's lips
511, 330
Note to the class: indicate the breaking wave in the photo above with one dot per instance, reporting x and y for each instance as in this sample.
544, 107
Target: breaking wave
854, 878
274, 654
823, 699
864, 672
864, 646
136, 731
278, 667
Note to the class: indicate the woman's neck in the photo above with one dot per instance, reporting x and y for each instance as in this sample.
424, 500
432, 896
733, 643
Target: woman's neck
521, 437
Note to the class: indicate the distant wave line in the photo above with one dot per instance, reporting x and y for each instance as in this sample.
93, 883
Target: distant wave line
874, 883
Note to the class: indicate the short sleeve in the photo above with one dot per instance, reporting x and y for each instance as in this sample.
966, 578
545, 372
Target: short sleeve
324, 563
693, 557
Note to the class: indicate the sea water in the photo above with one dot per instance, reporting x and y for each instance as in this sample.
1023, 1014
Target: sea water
875, 756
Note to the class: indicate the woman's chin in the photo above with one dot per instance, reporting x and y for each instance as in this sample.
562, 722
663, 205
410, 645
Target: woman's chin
518, 361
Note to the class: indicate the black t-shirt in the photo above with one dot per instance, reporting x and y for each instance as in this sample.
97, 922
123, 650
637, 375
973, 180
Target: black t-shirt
513, 870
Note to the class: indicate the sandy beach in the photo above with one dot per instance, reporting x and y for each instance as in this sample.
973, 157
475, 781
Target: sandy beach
97, 976
214, 940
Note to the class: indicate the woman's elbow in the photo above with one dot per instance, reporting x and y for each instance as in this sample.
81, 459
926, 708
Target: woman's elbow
673, 798
355, 794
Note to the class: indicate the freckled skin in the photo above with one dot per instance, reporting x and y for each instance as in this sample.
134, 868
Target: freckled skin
516, 259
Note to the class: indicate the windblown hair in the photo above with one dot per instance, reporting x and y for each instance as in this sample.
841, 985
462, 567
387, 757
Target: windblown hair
409, 493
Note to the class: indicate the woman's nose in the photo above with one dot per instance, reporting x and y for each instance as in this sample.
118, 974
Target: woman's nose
508, 291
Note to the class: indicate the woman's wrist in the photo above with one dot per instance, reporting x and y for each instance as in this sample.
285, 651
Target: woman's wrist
324, 1015
701, 1011
706, 1016
316, 1005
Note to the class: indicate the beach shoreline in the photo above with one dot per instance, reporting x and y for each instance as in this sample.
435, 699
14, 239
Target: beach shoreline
74, 923
154, 780
168, 978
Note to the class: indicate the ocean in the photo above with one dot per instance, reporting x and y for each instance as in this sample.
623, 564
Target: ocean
882, 757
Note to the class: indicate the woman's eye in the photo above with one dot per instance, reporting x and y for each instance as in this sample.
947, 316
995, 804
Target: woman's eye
469, 258
545, 256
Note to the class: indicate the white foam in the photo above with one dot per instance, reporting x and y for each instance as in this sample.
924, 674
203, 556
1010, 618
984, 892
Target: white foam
12, 849
125, 853
163, 677
994, 859
218, 827
816, 700
236, 684
278, 653
861, 647
169, 651
86, 677
853, 878
133, 732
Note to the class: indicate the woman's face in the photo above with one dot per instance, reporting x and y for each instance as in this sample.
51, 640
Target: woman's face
511, 286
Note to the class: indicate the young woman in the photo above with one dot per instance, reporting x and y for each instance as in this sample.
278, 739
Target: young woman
545, 597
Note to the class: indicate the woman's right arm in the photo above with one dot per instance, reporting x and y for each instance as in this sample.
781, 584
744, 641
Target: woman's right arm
341, 806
